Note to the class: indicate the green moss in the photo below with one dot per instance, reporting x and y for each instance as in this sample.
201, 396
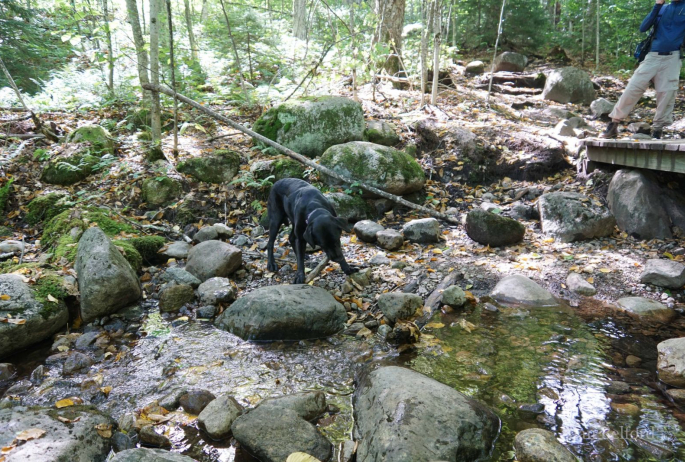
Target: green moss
49, 285
161, 190
219, 167
47, 206
62, 224
4, 195
5, 231
66, 246
130, 253
184, 216
97, 136
154, 153
269, 124
147, 246
69, 170
287, 168
145, 135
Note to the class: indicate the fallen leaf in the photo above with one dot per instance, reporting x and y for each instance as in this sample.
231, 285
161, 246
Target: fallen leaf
30, 434
435, 325
301, 457
604, 270
64, 403
106, 390
364, 332
104, 430
591, 280
52, 299
4, 297
65, 420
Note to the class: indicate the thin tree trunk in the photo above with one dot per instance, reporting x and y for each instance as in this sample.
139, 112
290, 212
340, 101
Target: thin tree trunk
300, 19
427, 22
597, 43
203, 12
390, 15
249, 58
141, 54
156, 110
235, 54
582, 40
436, 49
142, 16
354, 51
173, 75
191, 34
300, 158
110, 48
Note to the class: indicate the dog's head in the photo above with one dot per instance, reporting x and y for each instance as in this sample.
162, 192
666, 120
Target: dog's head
324, 231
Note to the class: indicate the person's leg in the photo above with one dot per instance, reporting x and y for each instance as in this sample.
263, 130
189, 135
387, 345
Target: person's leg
665, 101
637, 85
666, 84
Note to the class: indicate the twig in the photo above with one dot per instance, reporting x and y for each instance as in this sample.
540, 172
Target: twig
300, 158
222, 136
22, 136
316, 66
23, 247
316, 271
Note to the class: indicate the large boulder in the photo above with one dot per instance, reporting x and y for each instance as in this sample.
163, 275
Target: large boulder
671, 362
106, 280
510, 62
518, 289
219, 167
646, 309
70, 164
491, 229
401, 416
637, 206
572, 217
34, 320
379, 166
149, 455
211, 259
54, 440
161, 190
218, 416
351, 208
272, 434
284, 312
311, 125
538, 445
569, 85
98, 137
663, 273
380, 132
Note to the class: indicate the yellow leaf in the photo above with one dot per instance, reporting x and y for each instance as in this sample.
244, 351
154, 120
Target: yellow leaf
438, 251
30, 434
106, 390
64, 403
591, 280
301, 457
604, 270
4, 297
435, 325
104, 430
52, 299
668, 255
574, 268
549, 240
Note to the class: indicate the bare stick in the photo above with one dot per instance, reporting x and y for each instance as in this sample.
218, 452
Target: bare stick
315, 272
300, 158
434, 300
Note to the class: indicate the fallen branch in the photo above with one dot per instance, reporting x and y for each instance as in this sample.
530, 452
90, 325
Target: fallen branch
222, 136
316, 271
22, 136
434, 300
300, 158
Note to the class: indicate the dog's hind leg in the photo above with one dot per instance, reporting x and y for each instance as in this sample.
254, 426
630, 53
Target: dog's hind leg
275, 223
300, 248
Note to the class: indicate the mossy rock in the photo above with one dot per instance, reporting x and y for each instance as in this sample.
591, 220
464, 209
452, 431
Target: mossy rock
311, 125
351, 208
161, 191
66, 171
4, 195
154, 153
383, 167
280, 168
380, 132
61, 225
100, 139
5, 231
46, 206
147, 247
130, 253
217, 168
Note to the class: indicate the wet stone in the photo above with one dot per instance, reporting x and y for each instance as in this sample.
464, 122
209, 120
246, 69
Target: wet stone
213, 259
206, 312
121, 442
520, 289
646, 308
86, 340
671, 362
577, 284
207, 233
625, 409
150, 455
677, 395
399, 305
617, 387
538, 445
76, 362
216, 290
366, 230
6, 371
308, 405
150, 437
454, 297
180, 276
381, 258
218, 416
193, 402
178, 250
173, 297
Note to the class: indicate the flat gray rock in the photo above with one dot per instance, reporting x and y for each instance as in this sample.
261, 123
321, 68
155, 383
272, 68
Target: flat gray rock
272, 434
390, 239
213, 259
572, 217
218, 416
423, 231
77, 441
216, 290
178, 249
518, 289
398, 305
664, 273
671, 362
538, 445
180, 276
150, 455
401, 416
308, 405
577, 284
206, 233
284, 312
107, 282
492, 229
366, 230
646, 308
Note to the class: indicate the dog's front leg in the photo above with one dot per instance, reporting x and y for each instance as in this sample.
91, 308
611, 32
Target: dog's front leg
300, 247
347, 269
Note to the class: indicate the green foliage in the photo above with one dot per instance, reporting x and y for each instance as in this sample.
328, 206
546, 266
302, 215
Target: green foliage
62, 224
46, 207
4, 195
40, 155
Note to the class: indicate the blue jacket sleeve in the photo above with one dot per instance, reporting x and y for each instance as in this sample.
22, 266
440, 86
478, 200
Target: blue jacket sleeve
650, 19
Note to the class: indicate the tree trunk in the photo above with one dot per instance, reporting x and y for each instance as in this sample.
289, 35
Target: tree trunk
191, 34
173, 74
142, 16
390, 23
436, 50
110, 49
354, 51
300, 19
597, 43
235, 54
427, 21
156, 109
582, 39
139, 42
203, 12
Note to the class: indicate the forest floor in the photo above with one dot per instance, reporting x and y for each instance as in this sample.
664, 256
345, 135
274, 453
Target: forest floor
612, 264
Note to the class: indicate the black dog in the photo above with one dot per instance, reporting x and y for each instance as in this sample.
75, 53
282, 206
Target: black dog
314, 221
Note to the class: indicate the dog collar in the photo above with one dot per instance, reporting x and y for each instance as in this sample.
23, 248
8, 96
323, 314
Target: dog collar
312, 213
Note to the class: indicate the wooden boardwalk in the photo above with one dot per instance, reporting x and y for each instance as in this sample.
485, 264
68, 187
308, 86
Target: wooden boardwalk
663, 155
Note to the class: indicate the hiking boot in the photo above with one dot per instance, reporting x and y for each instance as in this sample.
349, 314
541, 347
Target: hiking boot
611, 131
657, 133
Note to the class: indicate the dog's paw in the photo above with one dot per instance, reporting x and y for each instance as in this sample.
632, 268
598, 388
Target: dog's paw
273, 267
299, 279
352, 270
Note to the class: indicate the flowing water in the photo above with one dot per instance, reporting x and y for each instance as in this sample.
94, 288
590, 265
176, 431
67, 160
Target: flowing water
504, 357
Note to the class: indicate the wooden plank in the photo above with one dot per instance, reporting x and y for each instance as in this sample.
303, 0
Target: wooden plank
662, 159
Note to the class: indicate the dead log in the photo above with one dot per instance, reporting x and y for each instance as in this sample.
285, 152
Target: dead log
300, 158
434, 300
519, 80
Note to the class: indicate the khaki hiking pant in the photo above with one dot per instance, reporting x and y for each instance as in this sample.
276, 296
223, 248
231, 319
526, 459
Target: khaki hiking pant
664, 70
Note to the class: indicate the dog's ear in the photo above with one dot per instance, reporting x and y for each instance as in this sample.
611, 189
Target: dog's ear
343, 224
308, 236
